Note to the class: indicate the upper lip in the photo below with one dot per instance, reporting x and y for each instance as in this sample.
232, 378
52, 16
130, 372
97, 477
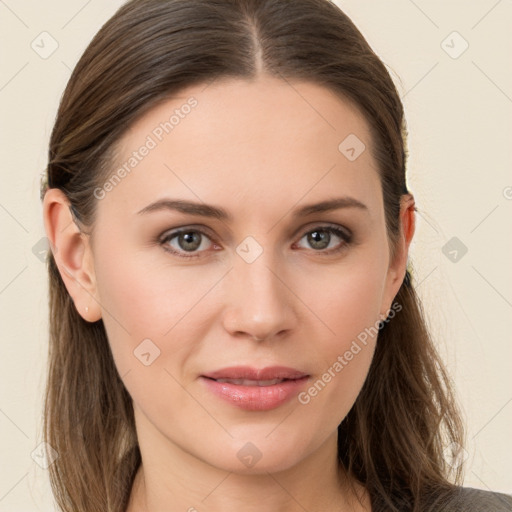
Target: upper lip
250, 373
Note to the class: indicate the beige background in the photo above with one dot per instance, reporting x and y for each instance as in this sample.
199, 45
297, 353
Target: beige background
459, 117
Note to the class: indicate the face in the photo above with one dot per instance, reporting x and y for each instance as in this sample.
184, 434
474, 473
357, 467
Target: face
247, 333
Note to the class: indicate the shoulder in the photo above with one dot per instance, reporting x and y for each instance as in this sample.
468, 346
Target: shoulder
467, 499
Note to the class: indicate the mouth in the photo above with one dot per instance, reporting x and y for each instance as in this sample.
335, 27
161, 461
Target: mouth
255, 389
248, 382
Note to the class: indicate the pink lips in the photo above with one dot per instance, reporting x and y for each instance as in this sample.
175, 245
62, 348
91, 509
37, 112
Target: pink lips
255, 389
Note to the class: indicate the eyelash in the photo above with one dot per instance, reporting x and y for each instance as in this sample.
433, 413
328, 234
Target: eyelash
346, 237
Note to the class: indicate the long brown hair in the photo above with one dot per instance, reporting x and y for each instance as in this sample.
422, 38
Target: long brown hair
392, 439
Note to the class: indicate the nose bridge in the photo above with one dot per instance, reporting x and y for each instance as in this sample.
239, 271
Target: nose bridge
258, 301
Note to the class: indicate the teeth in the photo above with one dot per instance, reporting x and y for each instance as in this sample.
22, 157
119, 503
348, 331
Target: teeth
247, 382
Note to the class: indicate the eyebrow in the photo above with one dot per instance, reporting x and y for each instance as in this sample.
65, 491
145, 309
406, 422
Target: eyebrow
216, 212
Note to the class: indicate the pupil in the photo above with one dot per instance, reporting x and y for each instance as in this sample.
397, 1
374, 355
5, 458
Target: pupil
191, 241
318, 239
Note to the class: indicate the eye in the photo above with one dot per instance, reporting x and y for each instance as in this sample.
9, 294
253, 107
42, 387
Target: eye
191, 243
321, 237
185, 241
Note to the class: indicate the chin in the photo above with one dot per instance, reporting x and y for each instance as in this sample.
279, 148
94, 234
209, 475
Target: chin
257, 452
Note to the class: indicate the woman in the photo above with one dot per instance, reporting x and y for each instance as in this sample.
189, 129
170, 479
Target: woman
232, 322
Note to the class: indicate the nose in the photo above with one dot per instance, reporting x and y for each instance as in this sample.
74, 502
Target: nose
259, 303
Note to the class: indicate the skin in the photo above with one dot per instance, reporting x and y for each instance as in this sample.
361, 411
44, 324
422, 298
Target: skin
259, 150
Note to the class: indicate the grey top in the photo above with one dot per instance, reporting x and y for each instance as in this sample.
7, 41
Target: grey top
467, 499
461, 499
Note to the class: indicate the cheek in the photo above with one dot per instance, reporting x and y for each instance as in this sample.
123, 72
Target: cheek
349, 305
142, 299
347, 299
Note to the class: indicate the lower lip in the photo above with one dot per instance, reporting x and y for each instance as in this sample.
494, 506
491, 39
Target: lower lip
256, 398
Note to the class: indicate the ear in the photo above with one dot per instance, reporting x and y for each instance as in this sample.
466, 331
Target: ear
398, 267
72, 253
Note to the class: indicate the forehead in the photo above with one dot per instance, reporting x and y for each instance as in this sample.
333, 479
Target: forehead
263, 142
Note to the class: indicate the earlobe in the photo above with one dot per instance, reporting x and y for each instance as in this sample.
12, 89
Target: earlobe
72, 253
